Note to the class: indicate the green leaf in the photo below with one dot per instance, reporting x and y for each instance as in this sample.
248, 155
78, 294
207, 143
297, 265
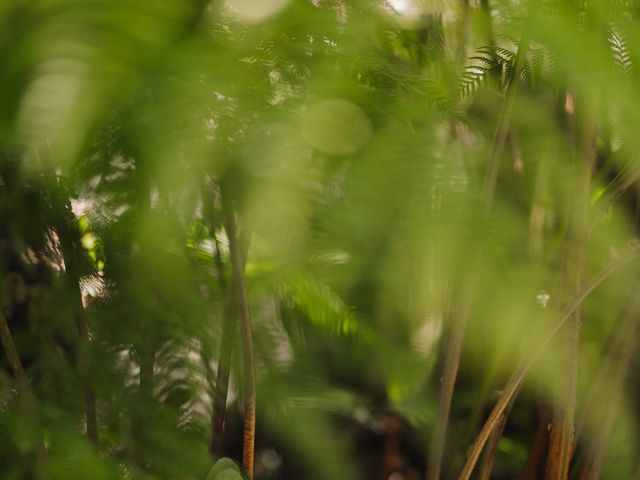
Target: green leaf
224, 469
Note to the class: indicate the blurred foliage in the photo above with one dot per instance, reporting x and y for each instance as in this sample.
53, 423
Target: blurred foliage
402, 173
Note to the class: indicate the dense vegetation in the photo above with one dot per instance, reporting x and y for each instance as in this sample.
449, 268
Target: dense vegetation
325, 239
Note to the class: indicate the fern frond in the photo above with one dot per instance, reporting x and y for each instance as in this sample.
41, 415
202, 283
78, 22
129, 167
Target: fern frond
529, 76
620, 51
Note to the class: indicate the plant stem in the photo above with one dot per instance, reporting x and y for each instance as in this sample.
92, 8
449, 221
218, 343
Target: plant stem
24, 388
454, 346
448, 379
538, 446
69, 245
69, 252
492, 448
514, 384
248, 359
222, 375
227, 341
562, 433
502, 129
10, 351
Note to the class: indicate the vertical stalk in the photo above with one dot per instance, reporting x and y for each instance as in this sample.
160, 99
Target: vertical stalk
561, 437
454, 346
222, 375
24, 388
70, 247
229, 323
502, 129
447, 384
10, 351
464, 31
248, 359
538, 446
487, 23
492, 448
69, 244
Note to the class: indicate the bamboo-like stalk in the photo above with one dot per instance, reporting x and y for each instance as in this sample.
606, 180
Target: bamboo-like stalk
222, 374
492, 448
454, 346
513, 386
248, 359
538, 446
229, 322
561, 439
450, 372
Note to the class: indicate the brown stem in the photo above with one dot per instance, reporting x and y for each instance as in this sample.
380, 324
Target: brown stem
514, 384
448, 379
492, 448
454, 347
248, 359
538, 446
561, 439
222, 376
10, 351
226, 346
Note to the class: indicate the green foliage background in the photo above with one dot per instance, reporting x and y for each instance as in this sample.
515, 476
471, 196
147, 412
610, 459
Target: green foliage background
354, 142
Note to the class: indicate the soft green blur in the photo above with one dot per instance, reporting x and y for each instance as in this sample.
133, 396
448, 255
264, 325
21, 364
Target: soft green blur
351, 139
